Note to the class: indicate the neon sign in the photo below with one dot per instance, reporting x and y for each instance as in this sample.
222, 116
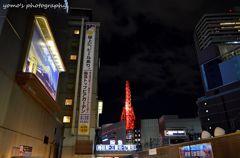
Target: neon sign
128, 147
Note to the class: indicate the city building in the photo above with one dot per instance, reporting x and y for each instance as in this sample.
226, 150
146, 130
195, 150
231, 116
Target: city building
111, 141
30, 67
175, 130
217, 40
113, 132
169, 129
150, 136
78, 92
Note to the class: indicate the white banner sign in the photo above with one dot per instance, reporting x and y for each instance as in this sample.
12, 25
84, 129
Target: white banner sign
152, 151
87, 81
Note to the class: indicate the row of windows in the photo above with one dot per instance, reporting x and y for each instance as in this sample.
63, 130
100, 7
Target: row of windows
67, 119
69, 102
137, 135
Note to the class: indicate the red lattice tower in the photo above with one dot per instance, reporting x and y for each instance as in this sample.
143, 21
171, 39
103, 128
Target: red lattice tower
127, 112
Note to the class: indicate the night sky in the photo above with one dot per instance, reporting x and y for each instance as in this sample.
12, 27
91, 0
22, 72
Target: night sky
150, 43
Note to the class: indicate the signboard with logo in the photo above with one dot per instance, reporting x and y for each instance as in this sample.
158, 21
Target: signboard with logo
152, 151
174, 132
87, 81
196, 150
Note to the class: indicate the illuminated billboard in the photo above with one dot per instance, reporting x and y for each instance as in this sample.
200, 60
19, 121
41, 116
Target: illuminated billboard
174, 132
196, 150
43, 59
115, 148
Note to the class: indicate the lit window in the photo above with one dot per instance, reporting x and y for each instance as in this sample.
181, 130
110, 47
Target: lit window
68, 101
73, 57
76, 32
139, 140
66, 119
207, 111
139, 135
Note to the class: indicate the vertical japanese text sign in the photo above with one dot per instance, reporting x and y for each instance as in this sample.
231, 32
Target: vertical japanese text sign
87, 79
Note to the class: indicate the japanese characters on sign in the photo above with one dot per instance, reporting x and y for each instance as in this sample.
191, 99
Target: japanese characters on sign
123, 147
86, 84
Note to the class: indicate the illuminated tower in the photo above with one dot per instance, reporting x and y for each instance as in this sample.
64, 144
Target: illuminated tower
127, 112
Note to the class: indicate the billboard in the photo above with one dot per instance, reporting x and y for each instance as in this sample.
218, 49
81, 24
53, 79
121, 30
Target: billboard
40, 62
87, 81
196, 150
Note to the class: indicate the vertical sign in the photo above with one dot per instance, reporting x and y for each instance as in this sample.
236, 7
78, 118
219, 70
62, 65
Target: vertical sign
87, 79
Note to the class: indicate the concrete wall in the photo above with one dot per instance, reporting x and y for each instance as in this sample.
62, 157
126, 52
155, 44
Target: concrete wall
150, 135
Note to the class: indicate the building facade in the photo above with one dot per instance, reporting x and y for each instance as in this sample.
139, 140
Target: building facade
78, 93
111, 141
30, 122
175, 130
150, 136
113, 132
217, 40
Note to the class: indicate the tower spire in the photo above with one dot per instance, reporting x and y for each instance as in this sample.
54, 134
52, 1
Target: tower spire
127, 112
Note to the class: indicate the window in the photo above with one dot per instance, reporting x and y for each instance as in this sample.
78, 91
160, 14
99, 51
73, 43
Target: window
66, 119
68, 101
76, 32
73, 57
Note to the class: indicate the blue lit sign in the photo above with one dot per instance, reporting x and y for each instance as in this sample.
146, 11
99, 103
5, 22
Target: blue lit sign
127, 147
197, 150
40, 62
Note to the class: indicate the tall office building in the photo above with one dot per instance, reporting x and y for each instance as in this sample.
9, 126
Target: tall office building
217, 40
78, 91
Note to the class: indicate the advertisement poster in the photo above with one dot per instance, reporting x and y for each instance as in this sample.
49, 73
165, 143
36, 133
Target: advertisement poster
87, 81
40, 62
196, 151
22, 150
